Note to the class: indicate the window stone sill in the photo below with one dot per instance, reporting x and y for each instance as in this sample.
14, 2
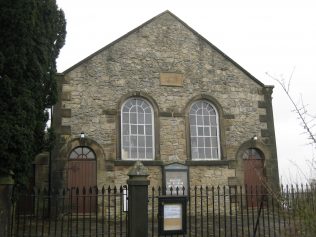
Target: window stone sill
188, 162
132, 162
207, 162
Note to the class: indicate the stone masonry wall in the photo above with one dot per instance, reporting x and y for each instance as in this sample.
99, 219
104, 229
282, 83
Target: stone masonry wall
94, 90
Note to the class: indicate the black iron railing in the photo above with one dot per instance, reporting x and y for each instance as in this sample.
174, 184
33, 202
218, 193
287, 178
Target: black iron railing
227, 211
244, 211
70, 212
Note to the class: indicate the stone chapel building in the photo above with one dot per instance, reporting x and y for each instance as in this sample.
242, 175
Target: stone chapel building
166, 96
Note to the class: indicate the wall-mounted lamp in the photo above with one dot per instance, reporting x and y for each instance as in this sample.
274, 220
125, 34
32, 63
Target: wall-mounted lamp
254, 138
82, 137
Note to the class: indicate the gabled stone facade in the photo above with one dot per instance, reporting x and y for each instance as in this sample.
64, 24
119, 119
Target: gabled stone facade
171, 66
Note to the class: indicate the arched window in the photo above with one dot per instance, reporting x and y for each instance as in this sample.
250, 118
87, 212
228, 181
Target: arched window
252, 154
82, 152
204, 131
137, 130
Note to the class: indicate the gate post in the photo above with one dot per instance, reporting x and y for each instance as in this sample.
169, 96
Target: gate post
6, 184
138, 201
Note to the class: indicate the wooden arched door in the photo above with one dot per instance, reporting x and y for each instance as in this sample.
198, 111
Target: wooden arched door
254, 177
82, 174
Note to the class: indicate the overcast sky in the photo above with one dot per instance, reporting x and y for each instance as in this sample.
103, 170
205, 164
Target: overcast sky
274, 36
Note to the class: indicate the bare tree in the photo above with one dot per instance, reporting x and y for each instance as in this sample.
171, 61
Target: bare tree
306, 117
300, 108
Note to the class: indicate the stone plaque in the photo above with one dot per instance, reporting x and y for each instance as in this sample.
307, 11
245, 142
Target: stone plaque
171, 79
176, 176
176, 179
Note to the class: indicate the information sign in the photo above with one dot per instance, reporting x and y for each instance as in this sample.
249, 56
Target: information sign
172, 214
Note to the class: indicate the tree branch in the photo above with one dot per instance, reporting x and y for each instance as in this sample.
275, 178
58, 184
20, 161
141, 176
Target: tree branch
301, 112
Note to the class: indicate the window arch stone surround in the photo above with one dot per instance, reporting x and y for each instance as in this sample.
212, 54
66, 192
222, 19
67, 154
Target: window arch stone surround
263, 150
60, 165
219, 110
154, 105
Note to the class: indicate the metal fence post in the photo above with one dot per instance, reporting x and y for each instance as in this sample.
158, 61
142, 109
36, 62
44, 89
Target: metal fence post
138, 201
6, 184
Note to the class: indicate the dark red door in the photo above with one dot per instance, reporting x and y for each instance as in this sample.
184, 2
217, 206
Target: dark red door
254, 177
82, 175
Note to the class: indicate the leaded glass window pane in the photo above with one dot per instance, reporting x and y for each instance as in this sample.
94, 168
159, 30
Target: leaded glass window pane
207, 131
252, 153
133, 118
73, 155
149, 141
133, 141
141, 118
148, 129
141, 141
125, 118
133, 129
215, 153
141, 129
141, 153
208, 152
82, 152
149, 152
125, 128
193, 131
125, 141
148, 119
208, 142
137, 133
200, 131
203, 120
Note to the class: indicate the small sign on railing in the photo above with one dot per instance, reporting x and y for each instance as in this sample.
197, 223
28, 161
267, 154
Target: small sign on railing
172, 211
125, 198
